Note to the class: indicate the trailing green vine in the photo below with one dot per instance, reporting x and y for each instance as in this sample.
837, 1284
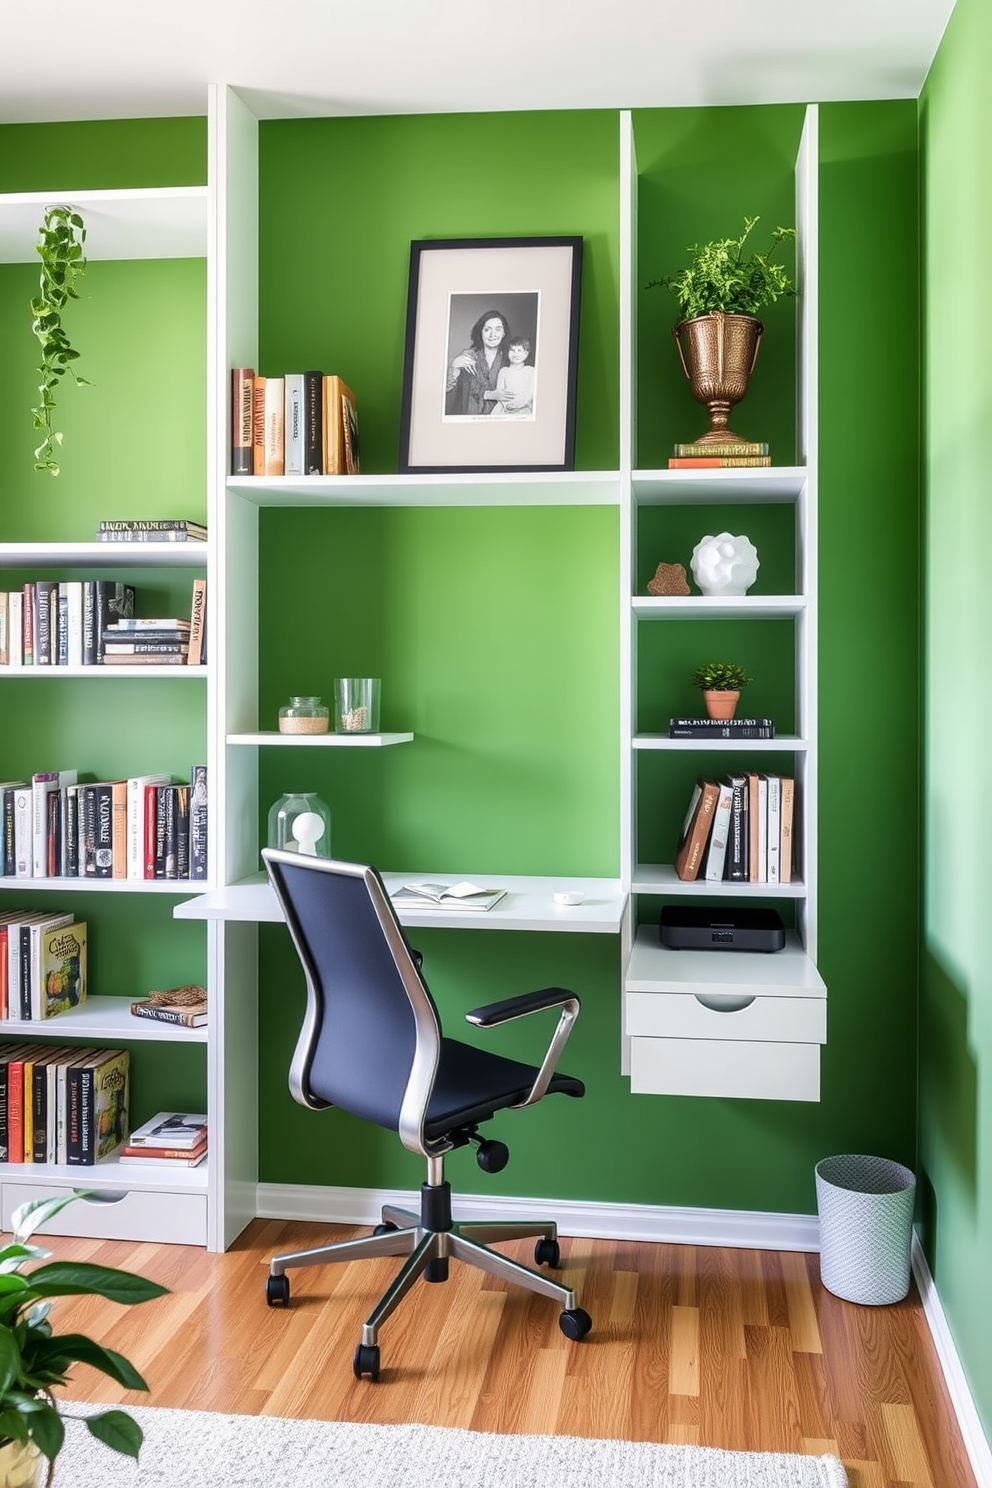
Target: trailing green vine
62, 235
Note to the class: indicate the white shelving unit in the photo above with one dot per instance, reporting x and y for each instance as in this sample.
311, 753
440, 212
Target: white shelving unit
718, 1023
131, 1203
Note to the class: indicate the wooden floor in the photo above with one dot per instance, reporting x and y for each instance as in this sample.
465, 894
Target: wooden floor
726, 1348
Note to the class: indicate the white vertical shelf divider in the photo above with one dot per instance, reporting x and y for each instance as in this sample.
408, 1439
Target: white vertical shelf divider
628, 543
232, 597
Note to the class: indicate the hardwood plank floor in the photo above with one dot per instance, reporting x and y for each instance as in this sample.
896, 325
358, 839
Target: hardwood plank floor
716, 1347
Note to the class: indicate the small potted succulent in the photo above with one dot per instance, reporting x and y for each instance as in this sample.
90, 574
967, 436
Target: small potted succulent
34, 1359
721, 683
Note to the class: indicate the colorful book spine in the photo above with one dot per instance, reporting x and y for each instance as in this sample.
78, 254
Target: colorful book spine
242, 440
720, 462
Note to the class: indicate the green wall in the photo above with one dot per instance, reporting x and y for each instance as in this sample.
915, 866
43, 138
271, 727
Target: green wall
956, 1014
496, 631
515, 763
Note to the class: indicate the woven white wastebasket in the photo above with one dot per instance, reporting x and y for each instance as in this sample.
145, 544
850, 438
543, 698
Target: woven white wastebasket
865, 1206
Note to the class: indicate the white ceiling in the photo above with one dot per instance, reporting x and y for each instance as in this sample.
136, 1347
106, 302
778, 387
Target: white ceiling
66, 59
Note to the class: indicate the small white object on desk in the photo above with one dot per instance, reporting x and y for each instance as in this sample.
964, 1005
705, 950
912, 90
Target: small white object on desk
574, 897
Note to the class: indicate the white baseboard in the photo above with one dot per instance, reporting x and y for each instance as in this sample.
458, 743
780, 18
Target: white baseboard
739, 1228
975, 1441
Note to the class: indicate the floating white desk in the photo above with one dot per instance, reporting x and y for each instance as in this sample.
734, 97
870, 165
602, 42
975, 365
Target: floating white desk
528, 905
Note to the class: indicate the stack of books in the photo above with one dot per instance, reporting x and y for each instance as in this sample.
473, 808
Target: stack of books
155, 529
721, 728
300, 423
729, 454
62, 1105
42, 964
739, 829
171, 1139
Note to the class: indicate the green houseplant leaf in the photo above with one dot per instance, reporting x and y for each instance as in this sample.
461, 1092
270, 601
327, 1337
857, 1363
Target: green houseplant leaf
61, 238
34, 1359
718, 277
720, 676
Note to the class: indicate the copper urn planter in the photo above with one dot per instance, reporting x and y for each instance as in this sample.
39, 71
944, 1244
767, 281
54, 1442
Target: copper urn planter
718, 353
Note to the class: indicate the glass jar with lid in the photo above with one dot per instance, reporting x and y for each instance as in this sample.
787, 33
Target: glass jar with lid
304, 714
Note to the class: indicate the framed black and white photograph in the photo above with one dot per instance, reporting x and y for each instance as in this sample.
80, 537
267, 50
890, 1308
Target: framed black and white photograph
491, 352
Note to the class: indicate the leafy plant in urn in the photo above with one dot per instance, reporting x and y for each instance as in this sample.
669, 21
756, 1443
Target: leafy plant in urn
720, 291
34, 1360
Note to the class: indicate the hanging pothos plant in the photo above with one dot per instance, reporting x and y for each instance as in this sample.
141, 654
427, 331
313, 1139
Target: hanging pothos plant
62, 235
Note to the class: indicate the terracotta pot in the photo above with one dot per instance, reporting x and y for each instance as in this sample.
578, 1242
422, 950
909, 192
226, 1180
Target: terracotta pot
720, 704
20, 1467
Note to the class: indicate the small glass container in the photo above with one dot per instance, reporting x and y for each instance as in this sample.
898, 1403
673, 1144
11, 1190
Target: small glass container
304, 715
301, 822
356, 705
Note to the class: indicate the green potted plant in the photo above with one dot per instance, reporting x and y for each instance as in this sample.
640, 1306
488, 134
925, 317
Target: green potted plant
721, 683
720, 291
60, 246
34, 1360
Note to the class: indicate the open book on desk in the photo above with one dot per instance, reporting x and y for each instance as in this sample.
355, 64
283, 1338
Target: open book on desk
445, 896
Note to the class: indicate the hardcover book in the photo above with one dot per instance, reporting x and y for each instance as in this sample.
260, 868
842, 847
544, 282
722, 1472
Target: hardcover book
242, 394
185, 1005
62, 969
696, 830
176, 1129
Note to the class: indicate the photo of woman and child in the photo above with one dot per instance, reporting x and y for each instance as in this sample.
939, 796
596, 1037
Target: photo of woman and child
494, 376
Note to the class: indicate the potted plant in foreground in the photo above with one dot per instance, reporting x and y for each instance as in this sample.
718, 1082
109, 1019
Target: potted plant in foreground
34, 1359
721, 683
720, 292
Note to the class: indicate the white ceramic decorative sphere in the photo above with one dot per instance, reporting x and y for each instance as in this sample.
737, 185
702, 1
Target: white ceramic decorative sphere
724, 564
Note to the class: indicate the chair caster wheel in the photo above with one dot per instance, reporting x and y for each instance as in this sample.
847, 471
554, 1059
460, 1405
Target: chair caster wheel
575, 1323
386, 1228
277, 1291
547, 1253
366, 1361
492, 1157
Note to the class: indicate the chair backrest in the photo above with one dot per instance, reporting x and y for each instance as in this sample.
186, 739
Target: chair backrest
371, 1037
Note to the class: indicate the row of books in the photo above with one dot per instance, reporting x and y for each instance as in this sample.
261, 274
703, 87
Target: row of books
142, 827
720, 454
91, 622
65, 1106
42, 963
739, 828
721, 728
151, 529
300, 423
171, 1139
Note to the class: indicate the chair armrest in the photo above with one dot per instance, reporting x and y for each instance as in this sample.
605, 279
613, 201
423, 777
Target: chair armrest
495, 1013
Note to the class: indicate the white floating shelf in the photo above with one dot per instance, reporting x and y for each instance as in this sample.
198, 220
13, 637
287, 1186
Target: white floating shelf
785, 743
654, 967
661, 878
158, 222
540, 488
102, 885
104, 1019
754, 484
98, 555
717, 607
321, 741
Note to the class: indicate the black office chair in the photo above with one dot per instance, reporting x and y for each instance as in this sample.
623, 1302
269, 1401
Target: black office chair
371, 1043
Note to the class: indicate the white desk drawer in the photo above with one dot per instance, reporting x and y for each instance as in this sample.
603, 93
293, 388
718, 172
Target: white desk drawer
684, 1015
122, 1214
730, 1068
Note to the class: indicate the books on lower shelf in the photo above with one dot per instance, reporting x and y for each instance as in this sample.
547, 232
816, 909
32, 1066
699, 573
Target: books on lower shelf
42, 964
296, 423
62, 1105
462, 895
185, 1005
739, 829
145, 827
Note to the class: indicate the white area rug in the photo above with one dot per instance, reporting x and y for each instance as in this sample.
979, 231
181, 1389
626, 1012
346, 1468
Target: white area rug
200, 1449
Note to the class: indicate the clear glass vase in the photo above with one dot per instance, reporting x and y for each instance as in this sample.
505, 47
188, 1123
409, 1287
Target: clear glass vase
301, 822
304, 714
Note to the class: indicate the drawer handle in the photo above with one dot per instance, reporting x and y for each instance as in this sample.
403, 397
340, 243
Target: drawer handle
100, 1195
719, 1002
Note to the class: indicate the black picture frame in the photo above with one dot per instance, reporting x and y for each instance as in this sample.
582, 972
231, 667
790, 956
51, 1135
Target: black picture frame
464, 410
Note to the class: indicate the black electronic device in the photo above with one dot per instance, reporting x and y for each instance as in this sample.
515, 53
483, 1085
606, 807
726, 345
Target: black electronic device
690, 928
